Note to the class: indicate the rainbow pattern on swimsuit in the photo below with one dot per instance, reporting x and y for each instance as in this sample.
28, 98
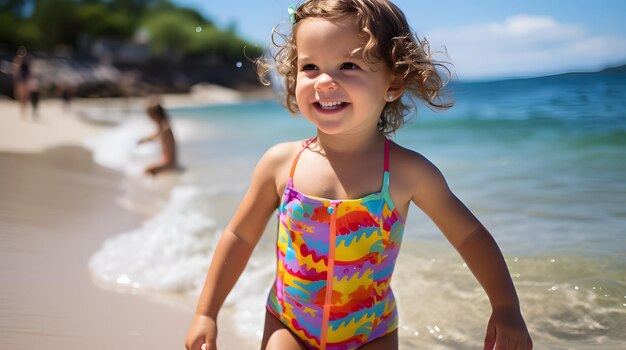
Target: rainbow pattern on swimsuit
335, 261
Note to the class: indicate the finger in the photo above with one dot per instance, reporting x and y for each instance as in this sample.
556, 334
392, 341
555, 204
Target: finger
529, 343
490, 337
515, 343
209, 345
522, 344
502, 342
195, 345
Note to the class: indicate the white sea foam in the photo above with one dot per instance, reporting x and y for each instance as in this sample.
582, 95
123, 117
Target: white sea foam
172, 250
169, 252
117, 148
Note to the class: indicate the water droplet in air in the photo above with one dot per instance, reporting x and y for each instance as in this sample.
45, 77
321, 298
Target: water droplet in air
123, 279
198, 29
238, 64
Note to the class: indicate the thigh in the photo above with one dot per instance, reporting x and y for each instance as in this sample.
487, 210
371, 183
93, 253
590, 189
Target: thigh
276, 336
386, 342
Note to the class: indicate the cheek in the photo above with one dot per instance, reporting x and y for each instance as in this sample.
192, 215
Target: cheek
301, 90
299, 97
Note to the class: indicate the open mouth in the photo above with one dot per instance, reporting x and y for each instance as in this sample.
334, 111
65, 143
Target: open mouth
330, 106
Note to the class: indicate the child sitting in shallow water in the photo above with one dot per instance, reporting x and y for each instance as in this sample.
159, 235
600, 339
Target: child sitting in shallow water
350, 67
165, 136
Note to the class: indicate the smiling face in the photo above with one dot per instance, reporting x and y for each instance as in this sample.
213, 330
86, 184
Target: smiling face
336, 89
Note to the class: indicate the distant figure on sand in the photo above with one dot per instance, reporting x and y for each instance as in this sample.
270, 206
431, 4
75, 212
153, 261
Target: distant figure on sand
33, 93
21, 77
165, 135
65, 91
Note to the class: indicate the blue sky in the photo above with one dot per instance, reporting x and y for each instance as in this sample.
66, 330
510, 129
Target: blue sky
484, 38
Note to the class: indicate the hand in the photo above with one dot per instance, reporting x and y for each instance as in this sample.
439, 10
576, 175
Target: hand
202, 334
507, 330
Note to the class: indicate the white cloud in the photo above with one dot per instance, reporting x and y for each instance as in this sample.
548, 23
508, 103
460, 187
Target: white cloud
525, 26
525, 45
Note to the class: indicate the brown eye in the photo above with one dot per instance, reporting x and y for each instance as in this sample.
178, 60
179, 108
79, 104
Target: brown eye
349, 65
309, 67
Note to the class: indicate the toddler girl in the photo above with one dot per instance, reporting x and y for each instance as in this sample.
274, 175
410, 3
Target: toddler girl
351, 68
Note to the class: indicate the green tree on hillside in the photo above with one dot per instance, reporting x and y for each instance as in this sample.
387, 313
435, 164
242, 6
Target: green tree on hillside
57, 23
97, 21
48, 24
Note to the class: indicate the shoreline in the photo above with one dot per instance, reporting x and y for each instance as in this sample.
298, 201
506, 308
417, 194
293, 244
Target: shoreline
56, 210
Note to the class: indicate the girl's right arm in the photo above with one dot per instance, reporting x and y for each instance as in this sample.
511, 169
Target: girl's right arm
149, 138
235, 247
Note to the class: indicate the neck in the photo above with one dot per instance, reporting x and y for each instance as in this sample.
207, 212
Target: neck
349, 144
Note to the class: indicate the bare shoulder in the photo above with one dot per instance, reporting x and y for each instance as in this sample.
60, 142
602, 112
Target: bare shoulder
274, 165
414, 172
280, 155
282, 151
407, 162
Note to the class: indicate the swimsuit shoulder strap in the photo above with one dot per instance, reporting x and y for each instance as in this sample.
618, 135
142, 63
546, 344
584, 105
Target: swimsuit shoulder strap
305, 144
385, 187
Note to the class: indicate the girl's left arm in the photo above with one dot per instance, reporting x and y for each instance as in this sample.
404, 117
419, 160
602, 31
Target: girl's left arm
506, 328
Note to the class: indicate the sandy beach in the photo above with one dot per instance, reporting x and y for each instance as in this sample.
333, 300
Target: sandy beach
56, 208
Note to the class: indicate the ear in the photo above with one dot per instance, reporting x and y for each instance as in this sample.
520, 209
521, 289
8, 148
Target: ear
396, 88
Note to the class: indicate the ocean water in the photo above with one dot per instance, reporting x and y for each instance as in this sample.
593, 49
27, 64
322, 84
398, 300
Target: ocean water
541, 162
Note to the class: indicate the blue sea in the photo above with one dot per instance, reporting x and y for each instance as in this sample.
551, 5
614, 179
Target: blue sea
541, 162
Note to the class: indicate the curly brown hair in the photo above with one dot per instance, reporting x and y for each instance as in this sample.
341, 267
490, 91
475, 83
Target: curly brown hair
389, 38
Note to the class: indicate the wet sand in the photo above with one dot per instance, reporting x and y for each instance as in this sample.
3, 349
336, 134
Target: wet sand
56, 209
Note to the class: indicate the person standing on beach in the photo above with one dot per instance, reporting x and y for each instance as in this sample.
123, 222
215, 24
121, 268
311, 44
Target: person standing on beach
350, 67
21, 78
66, 91
165, 136
33, 93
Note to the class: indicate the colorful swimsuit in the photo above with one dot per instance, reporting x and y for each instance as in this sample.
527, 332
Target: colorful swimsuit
335, 260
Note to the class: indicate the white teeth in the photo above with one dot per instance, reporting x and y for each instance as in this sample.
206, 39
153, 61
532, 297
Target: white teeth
331, 105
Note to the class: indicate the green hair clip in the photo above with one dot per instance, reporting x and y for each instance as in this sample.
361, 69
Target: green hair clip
292, 14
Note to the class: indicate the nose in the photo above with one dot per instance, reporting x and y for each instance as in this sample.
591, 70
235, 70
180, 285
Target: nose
325, 82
